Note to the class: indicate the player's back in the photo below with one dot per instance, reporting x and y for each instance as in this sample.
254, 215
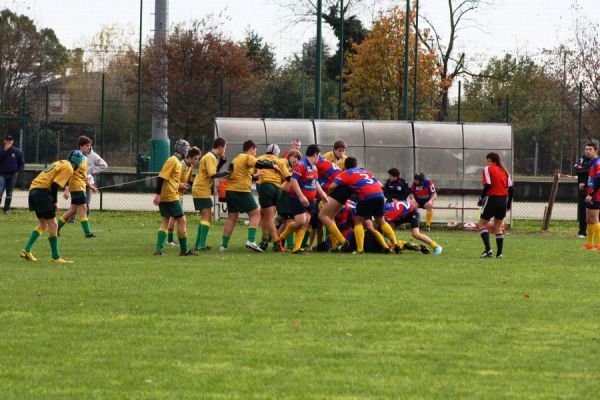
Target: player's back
361, 182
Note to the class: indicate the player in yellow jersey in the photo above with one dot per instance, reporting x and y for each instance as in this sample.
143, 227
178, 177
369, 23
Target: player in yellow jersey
202, 190
167, 199
269, 192
76, 189
338, 155
189, 163
239, 194
43, 194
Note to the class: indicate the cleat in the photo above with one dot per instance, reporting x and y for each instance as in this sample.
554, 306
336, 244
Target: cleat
498, 256
344, 247
264, 245
190, 252
253, 246
28, 255
223, 249
595, 248
387, 251
90, 236
358, 252
428, 228
300, 251
438, 250
61, 260
172, 244
158, 253
487, 254
281, 244
412, 247
397, 249
424, 249
581, 236
586, 246
205, 248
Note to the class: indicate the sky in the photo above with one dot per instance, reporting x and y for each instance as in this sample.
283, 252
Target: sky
517, 26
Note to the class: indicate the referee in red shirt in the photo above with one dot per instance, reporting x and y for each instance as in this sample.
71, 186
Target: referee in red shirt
495, 200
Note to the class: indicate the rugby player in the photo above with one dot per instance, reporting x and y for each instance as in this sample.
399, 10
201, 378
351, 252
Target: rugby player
423, 192
401, 212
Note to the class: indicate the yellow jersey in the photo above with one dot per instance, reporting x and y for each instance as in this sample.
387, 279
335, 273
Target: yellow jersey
171, 173
186, 176
240, 179
330, 155
78, 181
203, 184
59, 172
271, 175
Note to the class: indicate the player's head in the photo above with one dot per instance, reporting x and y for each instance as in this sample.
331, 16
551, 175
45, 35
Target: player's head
182, 147
590, 150
273, 149
84, 144
312, 153
293, 156
218, 146
75, 157
249, 147
393, 174
350, 162
339, 148
193, 156
419, 178
494, 158
296, 144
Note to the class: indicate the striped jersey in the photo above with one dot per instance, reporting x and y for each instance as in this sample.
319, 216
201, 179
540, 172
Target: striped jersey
362, 182
327, 172
398, 209
424, 191
593, 178
306, 175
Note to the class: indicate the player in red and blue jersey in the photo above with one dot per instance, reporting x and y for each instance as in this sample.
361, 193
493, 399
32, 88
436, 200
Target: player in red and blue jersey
406, 212
592, 202
327, 172
423, 192
303, 191
369, 205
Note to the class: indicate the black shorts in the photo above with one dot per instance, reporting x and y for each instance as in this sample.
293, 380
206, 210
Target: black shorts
414, 218
371, 207
341, 194
315, 223
421, 202
283, 206
594, 205
494, 206
40, 201
78, 198
296, 208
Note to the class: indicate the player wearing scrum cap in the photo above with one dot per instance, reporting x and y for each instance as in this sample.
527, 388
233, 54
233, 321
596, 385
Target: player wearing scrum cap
167, 199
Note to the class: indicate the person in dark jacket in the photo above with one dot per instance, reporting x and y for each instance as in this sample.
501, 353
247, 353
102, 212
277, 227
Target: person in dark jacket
581, 169
11, 165
396, 187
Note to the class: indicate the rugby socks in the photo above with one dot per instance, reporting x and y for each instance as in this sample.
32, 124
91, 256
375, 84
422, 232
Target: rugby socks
499, 243
594, 232
160, 240
35, 234
289, 242
305, 241
589, 239
252, 233
85, 224
225, 242
61, 222
434, 244
289, 228
336, 235
170, 237
183, 243
380, 239
359, 233
388, 231
203, 229
485, 236
428, 217
53, 240
300, 233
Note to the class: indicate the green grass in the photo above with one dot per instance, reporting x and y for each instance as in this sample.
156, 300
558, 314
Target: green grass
120, 323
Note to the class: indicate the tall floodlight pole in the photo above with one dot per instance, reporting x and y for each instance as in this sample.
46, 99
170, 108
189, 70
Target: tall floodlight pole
160, 143
341, 86
317, 114
416, 66
139, 97
406, 59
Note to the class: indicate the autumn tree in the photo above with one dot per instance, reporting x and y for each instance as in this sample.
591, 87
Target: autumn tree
375, 74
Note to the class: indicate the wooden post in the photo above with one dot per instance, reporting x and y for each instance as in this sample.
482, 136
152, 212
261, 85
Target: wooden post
548, 210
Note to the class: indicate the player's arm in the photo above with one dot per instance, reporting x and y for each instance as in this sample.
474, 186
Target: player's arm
484, 192
298, 191
510, 194
66, 192
159, 184
322, 193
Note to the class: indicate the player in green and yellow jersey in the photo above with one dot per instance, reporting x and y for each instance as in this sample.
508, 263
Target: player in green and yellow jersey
76, 189
202, 190
189, 163
338, 155
43, 194
239, 194
167, 199
269, 192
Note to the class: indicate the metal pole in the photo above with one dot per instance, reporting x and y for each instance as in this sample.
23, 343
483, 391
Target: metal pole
139, 99
507, 109
562, 110
459, 100
406, 60
416, 61
22, 139
341, 84
102, 118
317, 114
580, 120
303, 84
46, 131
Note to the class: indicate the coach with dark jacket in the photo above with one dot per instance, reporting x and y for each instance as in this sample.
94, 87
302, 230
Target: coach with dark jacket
581, 169
395, 187
11, 165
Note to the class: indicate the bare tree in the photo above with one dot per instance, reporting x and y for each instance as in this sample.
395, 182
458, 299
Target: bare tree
305, 10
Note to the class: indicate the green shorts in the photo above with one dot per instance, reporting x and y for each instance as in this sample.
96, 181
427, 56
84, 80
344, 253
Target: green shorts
40, 201
283, 205
78, 198
170, 209
240, 202
268, 195
201, 204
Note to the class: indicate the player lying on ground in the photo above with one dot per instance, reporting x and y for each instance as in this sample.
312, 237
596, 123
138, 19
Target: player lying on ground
405, 212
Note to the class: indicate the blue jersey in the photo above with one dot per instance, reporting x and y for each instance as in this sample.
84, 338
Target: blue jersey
306, 174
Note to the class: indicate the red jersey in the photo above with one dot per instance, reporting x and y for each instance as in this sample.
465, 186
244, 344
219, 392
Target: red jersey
593, 178
396, 210
306, 174
343, 219
498, 179
423, 192
327, 172
361, 182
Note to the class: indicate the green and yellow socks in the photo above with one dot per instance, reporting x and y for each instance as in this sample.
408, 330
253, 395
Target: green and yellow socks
35, 234
160, 240
85, 225
53, 240
203, 229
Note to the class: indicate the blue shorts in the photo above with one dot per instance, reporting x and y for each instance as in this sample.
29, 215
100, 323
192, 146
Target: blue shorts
421, 202
296, 208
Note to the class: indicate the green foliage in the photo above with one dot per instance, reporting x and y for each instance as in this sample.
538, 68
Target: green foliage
260, 53
120, 323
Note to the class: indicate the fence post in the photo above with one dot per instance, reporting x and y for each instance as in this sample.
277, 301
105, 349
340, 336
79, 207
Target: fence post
548, 209
101, 133
46, 131
459, 99
341, 85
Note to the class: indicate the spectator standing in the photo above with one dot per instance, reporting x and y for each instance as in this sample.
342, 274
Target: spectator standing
11, 165
581, 169
95, 165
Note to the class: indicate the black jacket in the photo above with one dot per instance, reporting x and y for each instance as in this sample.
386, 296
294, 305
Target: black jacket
582, 169
11, 161
397, 190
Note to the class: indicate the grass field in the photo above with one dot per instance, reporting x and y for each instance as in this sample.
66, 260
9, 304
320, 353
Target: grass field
122, 324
